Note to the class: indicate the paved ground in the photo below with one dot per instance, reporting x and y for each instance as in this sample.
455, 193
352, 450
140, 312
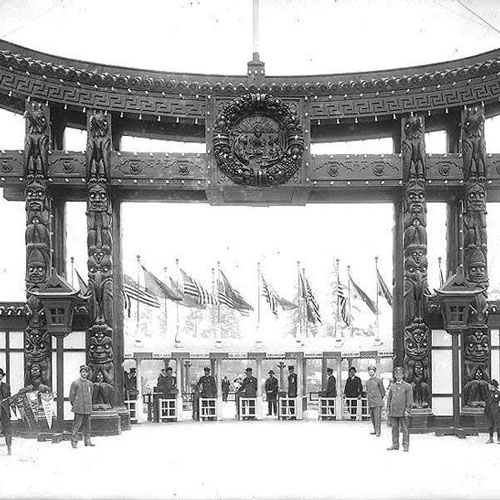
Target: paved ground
252, 460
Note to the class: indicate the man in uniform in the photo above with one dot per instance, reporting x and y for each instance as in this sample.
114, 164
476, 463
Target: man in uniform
492, 411
292, 391
130, 382
249, 387
399, 403
5, 426
353, 389
207, 388
375, 394
331, 387
80, 396
170, 385
271, 394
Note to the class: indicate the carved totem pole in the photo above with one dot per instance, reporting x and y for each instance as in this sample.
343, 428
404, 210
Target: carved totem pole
100, 266
416, 330
476, 339
37, 340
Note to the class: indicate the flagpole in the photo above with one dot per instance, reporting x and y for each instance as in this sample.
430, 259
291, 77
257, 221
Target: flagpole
165, 279
306, 322
338, 334
351, 325
218, 339
177, 341
299, 302
377, 326
138, 302
258, 342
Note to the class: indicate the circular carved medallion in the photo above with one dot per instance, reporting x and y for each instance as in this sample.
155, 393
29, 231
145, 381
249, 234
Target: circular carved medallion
258, 141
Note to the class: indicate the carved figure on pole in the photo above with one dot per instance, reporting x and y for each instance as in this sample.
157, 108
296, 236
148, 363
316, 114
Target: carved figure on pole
99, 145
36, 147
475, 215
413, 148
474, 144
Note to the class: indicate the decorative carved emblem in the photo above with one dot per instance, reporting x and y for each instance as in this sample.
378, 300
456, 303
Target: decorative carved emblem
258, 140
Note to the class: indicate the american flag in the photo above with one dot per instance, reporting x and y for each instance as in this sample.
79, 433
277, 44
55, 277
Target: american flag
312, 306
133, 291
193, 289
230, 297
343, 303
273, 299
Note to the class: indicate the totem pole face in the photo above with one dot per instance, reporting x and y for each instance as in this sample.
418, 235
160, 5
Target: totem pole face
416, 271
419, 370
37, 345
101, 267
36, 199
477, 272
477, 346
99, 125
476, 198
36, 268
98, 198
100, 347
418, 255
35, 372
416, 343
415, 199
37, 121
413, 127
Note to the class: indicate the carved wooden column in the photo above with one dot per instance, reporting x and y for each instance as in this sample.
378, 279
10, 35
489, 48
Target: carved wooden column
100, 353
476, 339
37, 340
417, 353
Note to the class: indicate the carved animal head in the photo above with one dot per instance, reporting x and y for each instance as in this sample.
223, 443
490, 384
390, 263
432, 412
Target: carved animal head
36, 345
36, 198
100, 344
416, 271
476, 267
416, 340
477, 345
37, 267
414, 127
415, 198
102, 267
99, 124
37, 120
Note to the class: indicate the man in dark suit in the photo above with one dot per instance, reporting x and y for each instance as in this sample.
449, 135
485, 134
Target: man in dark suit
5, 426
207, 388
331, 387
353, 389
80, 397
271, 394
292, 390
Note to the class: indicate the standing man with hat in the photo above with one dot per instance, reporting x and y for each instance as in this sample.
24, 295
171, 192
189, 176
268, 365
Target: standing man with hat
249, 388
80, 396
292, 391
399, 403
492, 411
331, 388
375, 394
207, 388
5, 426
271, 388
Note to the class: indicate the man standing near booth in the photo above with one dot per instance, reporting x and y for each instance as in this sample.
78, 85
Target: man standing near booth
5, 425
170, 385
271, 388
249, 387
331, 387
80, 397
207, 388
375, 394
399, 403
353, 389
292, 391
225, 386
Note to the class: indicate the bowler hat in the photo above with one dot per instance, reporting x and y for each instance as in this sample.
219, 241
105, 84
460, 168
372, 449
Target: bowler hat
270, 372
2, 373
494, 383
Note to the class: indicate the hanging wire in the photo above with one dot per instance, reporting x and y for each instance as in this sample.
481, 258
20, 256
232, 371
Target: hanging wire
494, 28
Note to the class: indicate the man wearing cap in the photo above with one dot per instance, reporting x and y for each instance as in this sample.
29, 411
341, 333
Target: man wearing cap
399, 403
271, 388
225, 386
331, 387
207, 388
130, 383
375, 393
352, 390
492, 411
80, 397
5, 426
292, 390
249, 387
170, 385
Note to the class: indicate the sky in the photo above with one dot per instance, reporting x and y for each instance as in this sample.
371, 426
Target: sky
215, 36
